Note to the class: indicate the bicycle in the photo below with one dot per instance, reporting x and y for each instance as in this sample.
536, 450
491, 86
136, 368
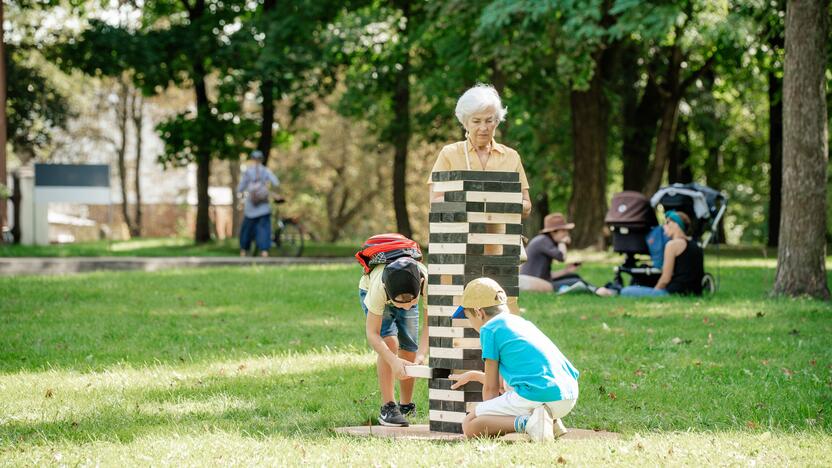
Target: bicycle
288, 233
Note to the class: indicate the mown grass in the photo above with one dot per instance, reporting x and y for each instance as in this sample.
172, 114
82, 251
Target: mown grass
255, 365
161, 247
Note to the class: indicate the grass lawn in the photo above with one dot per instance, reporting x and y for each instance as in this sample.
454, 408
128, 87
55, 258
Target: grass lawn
161, 247
254, 366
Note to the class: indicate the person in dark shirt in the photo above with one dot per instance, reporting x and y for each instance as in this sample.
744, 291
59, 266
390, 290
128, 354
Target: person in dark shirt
551, 244
683, 266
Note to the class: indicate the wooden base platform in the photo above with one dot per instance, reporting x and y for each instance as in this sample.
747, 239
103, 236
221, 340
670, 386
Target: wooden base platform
421, 432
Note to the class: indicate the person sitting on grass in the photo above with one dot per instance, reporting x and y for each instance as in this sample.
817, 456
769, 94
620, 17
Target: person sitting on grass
542, 383
389, 296
683, 266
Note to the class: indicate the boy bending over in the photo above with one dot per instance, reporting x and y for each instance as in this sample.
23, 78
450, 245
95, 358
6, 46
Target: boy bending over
389, 295
542, 383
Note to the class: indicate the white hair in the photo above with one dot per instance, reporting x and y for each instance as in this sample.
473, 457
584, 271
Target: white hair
478, 99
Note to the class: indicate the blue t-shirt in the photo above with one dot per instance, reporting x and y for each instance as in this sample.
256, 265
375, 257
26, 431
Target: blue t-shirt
529, 361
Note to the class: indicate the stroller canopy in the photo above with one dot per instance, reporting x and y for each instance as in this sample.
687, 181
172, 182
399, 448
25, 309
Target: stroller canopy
703, 200
630, 209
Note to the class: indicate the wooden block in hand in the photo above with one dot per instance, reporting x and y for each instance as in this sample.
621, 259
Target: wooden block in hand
422, 372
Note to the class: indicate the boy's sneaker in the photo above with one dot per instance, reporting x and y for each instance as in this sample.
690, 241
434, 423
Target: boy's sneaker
407, 409
559, 428
392, 416
539, 425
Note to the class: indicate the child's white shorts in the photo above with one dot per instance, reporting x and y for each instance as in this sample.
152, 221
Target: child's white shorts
512, 404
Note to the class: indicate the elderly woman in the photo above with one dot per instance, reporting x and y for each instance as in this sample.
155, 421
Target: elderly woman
480, 111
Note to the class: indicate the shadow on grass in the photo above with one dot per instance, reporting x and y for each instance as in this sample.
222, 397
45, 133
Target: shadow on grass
306, 403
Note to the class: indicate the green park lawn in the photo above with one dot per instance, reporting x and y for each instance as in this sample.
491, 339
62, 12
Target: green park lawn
160, 247
256, 365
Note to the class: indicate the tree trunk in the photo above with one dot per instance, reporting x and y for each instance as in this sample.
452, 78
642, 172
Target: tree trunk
678, 169
664, 143
401, 135
639, 130
122, 113
587, 205
138, 120
775, 155
801, 253
264, 144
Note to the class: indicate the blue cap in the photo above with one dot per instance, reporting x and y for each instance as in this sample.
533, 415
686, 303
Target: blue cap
460, 313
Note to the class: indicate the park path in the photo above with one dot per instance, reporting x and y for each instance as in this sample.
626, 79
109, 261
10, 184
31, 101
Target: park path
13, 266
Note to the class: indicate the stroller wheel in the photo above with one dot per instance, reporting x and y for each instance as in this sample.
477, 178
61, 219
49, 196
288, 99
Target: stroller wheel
708, 284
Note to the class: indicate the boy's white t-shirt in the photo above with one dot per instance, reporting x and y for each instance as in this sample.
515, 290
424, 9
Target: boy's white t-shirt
376, 297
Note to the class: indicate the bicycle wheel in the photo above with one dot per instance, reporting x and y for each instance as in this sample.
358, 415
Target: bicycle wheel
289, 242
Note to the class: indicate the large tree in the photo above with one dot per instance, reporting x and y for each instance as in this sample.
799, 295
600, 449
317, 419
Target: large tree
801, 255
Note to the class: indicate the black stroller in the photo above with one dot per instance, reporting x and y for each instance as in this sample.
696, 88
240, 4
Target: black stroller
632, 216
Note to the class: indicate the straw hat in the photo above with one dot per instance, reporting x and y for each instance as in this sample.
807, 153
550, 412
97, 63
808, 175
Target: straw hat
555, 222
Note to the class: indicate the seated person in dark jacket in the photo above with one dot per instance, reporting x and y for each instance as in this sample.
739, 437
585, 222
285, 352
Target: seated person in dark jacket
550, 244
683, 266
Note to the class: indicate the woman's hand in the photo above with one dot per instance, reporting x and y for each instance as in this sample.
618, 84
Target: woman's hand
462, 379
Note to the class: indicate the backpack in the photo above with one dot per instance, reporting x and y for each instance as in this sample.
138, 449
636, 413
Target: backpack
656, 240
384, 248
258, 191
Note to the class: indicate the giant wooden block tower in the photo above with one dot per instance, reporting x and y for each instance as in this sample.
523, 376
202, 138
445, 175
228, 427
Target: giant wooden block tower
474, 232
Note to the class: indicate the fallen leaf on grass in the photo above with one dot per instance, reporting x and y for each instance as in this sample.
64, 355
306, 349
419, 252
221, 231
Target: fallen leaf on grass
761, 314
241, 367
294, 342
612, 396
639, 372
697, 362
764, 362
751, 425
605, 327
561, 460
200, 302
710, 339
787, 372
583, 317
49, 393
602, 390
794, 332
813, 362
705, 320
677, 341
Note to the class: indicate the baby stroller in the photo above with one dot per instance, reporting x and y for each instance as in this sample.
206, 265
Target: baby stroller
632, 216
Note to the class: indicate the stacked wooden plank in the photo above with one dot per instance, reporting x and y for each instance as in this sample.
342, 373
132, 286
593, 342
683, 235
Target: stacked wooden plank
474, 232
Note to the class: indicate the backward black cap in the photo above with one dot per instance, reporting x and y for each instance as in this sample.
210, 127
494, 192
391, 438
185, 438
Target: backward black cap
402, 276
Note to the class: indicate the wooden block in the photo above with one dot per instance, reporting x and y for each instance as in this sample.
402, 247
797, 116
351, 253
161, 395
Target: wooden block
450, 186
493, 239
447, 280
446, 248
448, 237
446, 353
448, 217
460, 323
446, 395
434, 321
448, 227
447, 258
445, 384
497, 197
499, 207
441, 269
441, 311
496, 176
445, 301
439, 289
446, 332
506, 218
467, 343
446, 416
422, 372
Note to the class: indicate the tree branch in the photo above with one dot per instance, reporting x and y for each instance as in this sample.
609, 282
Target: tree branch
698, 73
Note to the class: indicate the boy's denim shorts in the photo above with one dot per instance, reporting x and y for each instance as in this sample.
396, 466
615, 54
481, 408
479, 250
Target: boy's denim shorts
398, 322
